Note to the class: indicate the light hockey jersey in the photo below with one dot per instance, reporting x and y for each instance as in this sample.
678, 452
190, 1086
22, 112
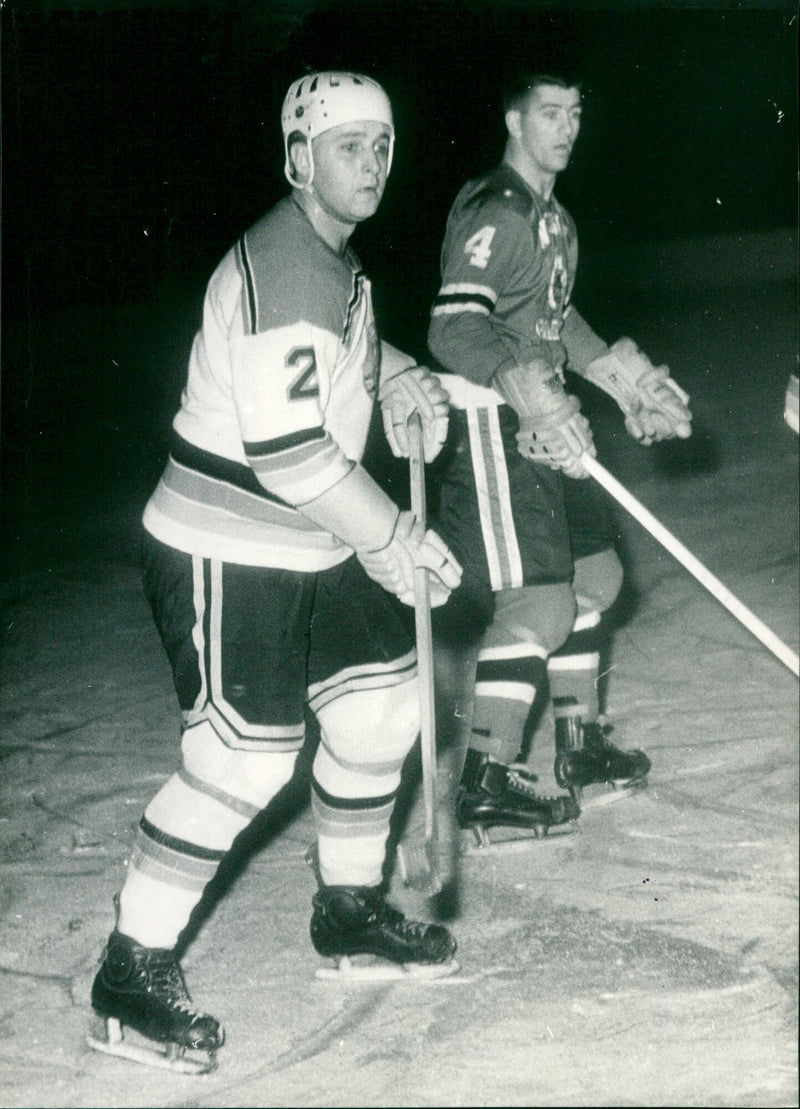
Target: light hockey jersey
508, 268
276, 409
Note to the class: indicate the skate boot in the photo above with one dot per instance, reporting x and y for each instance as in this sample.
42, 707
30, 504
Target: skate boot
143, 989
492, 794
351, 922
584, 756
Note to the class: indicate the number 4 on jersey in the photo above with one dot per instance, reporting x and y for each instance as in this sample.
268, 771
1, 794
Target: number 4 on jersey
478, 247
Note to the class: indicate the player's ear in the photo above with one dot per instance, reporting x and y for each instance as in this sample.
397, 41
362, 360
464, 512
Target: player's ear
300, 159
513, 122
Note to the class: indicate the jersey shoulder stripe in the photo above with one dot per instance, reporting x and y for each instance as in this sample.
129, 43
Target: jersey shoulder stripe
250, 313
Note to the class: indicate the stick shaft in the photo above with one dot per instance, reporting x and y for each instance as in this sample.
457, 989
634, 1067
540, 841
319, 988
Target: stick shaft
692, 564
425, 673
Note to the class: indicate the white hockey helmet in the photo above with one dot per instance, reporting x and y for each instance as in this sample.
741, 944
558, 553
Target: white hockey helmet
319, 101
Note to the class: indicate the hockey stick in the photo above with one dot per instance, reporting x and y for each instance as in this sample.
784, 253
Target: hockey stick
692, 564
422, 621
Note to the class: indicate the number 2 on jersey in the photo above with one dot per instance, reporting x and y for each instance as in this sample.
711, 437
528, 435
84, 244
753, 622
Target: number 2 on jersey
477, 246
306, 383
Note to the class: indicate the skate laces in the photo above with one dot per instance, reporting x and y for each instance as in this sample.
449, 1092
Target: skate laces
596, 733
393, 918
521, 781
165, 975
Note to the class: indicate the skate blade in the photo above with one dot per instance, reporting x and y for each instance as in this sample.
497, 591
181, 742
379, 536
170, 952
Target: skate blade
599, 794
162, 1056
352, 969
504, 840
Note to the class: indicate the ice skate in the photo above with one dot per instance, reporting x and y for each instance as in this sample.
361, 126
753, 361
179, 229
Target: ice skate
493, 795
140, 996
585, 757
370, 941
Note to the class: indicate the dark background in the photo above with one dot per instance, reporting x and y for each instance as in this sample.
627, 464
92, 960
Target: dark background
139, 140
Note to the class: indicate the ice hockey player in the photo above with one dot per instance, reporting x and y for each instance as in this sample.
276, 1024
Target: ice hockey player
536, 541
270, 557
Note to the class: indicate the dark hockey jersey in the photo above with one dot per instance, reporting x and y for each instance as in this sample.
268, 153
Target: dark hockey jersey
277, 404
508, 268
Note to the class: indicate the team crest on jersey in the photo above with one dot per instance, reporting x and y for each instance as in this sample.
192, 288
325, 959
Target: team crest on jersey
549, 327
550, 228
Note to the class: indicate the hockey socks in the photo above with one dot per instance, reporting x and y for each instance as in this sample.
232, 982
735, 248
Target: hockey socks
189, 827
573, 670
584, 754
351, 834
506, 681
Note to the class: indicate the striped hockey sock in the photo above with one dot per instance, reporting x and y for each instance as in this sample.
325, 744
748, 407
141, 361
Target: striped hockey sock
188, 828
506, 681
573, 670
352, 809
366, 735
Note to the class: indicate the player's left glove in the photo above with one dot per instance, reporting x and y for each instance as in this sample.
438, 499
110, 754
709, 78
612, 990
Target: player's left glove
654, 405
414, 389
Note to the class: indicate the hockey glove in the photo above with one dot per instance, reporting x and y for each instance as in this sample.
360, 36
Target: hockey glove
414, 389
388, 542
392, 566
552, 431
654, 405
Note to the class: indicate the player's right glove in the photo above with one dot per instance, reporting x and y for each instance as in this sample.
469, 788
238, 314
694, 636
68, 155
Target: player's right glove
392, 566
552, 431
388, 543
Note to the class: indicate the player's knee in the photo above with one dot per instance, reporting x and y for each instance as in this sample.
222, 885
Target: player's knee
598, 579
372, 726
544, 614
251, 776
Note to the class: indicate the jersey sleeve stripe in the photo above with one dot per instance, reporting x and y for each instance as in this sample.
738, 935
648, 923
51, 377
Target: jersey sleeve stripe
466, 287
284, 442
453, 307
300, 476
464, 298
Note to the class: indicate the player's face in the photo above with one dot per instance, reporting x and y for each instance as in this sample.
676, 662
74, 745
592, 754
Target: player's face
350, 167
549, 125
